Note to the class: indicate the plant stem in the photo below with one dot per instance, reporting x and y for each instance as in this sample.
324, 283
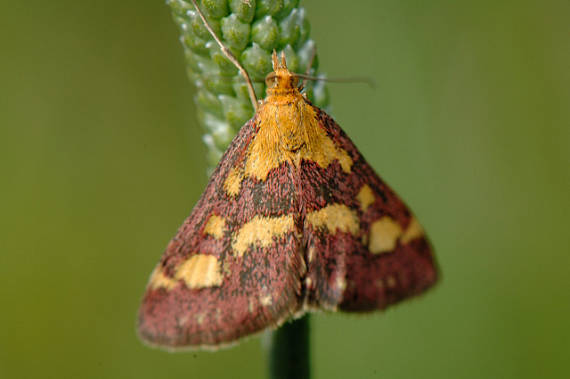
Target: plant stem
289, 350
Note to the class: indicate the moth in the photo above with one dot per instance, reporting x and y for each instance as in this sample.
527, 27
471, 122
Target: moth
292, 220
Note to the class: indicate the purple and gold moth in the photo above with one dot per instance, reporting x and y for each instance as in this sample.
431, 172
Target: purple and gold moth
292, 220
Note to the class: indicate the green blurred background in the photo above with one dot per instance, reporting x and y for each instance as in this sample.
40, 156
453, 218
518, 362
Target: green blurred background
101, 160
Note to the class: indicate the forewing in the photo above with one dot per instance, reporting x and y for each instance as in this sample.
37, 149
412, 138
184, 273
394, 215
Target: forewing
234, 266
365, 249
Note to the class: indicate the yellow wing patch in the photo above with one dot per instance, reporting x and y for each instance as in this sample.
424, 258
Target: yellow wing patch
261, 231
384, 234
365, 197
200, 271
335, 217
232, 184
413, 231
215, 226
159, 280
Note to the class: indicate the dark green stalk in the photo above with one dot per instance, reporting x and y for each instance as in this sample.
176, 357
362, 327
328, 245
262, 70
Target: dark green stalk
290, 350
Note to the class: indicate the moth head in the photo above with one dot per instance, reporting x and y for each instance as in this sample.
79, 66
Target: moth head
281, 79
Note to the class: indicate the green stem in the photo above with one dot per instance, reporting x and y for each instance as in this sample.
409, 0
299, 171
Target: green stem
289, 351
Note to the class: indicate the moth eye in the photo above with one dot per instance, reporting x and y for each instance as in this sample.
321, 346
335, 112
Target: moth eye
271, 81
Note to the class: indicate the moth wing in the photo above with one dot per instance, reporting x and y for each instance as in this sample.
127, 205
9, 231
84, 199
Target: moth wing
234, 266
365, 249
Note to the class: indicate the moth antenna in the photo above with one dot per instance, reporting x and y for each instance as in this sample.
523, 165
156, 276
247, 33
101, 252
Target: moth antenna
283, 62
309, 66
230, 57
275, 60
356, 79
